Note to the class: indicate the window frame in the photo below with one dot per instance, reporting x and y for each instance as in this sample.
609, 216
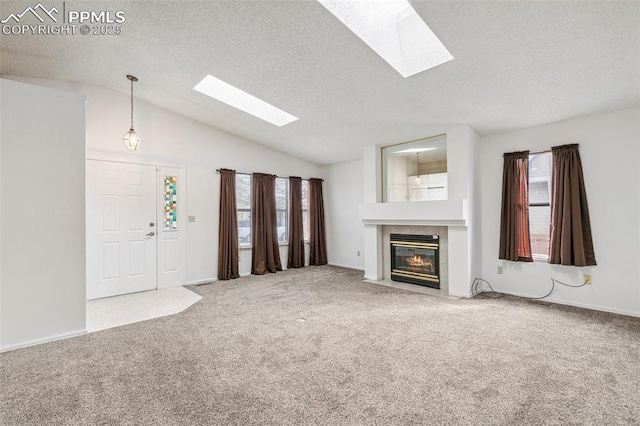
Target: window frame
285, 210
247, 243
537, 179
306, 230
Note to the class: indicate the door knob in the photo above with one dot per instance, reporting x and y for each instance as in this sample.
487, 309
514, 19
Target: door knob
150, 234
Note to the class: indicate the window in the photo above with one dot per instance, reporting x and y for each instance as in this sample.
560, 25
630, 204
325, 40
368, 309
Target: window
305, 208
170, 203
540, 203
282, 208
243, 204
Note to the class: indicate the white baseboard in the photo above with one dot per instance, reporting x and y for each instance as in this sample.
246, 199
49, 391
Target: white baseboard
203, 281
246, 274
577, 305
42, 340
358, 268
211, 280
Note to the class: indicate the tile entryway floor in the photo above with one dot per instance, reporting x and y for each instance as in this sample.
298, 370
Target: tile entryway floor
129, 308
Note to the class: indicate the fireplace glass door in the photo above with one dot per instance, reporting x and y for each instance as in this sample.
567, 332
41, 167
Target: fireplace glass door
414, 259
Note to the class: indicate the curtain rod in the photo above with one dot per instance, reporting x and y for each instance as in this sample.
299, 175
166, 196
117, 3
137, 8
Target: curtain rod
251, 174
550, 149
540, 152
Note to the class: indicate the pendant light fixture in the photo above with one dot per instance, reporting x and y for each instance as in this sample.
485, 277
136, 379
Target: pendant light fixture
418, 178
131, 139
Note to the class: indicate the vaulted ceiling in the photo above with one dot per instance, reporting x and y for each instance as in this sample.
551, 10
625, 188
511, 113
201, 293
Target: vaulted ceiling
516, 64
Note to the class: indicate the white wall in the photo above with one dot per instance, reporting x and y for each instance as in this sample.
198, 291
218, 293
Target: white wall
1, 126
474, 205
460, 143
173, 140
42, 193
343, 195
464, 258
203, 201
610, 157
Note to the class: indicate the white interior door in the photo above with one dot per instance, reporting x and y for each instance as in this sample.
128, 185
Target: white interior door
121, 228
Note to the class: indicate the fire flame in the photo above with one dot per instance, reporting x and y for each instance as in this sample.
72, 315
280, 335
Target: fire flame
416, 261
419, 261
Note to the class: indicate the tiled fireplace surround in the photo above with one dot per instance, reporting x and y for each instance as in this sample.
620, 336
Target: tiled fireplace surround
457, 267
456, 264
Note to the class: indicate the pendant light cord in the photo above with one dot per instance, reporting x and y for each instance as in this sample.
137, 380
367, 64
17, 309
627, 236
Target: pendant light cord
131, 104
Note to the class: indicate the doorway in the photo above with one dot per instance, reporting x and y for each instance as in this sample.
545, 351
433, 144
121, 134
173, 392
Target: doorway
121, 228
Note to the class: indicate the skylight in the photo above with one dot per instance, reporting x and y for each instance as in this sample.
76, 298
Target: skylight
394, 30
231, 95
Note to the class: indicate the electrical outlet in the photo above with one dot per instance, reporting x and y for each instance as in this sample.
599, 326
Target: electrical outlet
358, 252
191, 219
500, 270
586, 279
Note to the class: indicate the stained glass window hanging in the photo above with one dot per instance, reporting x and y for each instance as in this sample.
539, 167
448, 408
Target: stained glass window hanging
170, 203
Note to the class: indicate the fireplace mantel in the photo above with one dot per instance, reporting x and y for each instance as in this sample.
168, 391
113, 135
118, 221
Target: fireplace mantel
451, 214
434, 213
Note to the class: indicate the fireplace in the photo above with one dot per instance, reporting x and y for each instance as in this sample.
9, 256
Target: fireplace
415, 259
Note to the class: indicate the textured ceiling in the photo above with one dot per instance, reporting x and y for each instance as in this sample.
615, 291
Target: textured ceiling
517, 64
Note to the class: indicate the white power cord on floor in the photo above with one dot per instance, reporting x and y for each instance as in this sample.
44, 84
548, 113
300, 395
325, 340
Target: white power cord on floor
477, 293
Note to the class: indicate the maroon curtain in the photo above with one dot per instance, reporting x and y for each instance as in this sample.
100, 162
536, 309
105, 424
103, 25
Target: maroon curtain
571, 241
515, 243
295, 258
265, 253
228, 227
317, 241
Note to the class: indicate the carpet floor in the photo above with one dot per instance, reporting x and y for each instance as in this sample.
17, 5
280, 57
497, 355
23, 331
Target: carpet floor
321, 346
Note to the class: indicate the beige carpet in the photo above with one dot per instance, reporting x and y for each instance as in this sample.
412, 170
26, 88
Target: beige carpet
321, 346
